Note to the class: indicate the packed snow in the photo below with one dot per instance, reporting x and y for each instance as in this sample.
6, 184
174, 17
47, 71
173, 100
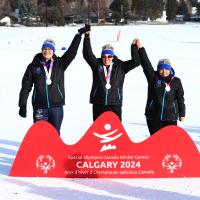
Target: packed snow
179, 43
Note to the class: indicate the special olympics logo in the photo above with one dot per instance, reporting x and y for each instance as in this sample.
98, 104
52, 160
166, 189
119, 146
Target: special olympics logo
172, 163
108, 138
45, 163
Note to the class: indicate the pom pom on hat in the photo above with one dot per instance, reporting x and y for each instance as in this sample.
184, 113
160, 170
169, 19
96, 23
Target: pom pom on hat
107, 49
50, 44
164, 63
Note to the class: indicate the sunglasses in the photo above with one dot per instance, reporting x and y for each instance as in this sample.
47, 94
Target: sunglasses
109, 56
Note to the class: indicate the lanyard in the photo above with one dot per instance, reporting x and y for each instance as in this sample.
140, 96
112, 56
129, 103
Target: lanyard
48, 73
108, 76
171, 80
167, 85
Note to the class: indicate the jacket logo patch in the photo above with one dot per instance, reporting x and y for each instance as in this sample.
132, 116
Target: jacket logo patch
100, 68
159, 82
38, 70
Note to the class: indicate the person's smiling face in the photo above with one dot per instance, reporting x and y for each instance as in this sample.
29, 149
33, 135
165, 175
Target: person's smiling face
107, 59
164, 72
47, 53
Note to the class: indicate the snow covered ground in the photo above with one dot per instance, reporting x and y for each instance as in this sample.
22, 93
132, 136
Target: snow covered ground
179, 43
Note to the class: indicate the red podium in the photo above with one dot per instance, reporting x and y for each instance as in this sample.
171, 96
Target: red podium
106, 151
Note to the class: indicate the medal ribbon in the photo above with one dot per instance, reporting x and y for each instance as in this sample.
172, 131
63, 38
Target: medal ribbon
107, 74
171, 80
168, 84
48, 74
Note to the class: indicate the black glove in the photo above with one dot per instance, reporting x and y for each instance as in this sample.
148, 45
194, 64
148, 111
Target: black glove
22, 111
85, 29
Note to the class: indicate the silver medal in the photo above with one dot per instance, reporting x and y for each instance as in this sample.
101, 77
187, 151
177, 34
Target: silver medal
167, 88
48, 74
48, 81
108, 86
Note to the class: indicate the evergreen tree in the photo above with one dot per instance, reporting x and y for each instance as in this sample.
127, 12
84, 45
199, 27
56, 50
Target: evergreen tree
182, 8
27, 9
139, 9
50, 11
14, 4
198, 9
171, 9
193, 2
119, 8
153, 10
145, 9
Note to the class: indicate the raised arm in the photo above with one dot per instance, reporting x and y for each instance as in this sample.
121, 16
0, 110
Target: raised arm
135, 59
70, 54
88, 55
145, 62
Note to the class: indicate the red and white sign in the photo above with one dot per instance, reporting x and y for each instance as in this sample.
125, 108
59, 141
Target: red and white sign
106, 151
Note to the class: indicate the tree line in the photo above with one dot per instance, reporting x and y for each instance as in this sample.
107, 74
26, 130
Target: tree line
59, 12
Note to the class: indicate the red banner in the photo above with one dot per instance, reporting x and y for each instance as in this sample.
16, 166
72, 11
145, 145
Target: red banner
106, 151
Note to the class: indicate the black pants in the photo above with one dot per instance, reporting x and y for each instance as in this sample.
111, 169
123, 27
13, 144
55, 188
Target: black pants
155, 125
53, 115
98, 109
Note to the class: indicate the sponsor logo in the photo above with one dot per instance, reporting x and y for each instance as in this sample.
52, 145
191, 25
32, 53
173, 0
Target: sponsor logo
45, 163
171, 163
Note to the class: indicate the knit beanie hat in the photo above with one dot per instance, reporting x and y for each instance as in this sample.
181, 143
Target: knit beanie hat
107, 49
164, 63
50, 44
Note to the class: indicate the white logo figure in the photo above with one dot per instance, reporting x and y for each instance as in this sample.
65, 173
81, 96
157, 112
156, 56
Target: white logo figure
172, 163
107, 137
45, 163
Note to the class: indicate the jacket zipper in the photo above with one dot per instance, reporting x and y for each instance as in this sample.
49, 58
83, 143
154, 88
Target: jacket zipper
94, 93
47, 92
118, 93
106, 97
174, 108
163, 103
34, 94
150, 105
59, 91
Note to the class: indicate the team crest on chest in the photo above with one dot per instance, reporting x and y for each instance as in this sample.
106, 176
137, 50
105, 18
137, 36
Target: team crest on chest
38, 70
158, 83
